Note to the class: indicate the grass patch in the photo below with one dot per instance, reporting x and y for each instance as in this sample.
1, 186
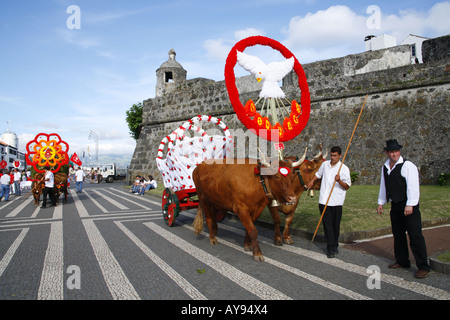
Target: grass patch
360, 208
445, 257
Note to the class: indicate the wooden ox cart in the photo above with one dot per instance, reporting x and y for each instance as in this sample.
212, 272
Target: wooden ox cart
183, 154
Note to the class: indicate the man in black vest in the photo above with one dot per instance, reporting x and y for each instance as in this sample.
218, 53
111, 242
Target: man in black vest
400, 185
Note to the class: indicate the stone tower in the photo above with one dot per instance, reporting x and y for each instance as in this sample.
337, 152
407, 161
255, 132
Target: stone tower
169, 74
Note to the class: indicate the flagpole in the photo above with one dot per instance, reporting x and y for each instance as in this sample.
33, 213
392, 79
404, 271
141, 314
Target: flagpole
342, 162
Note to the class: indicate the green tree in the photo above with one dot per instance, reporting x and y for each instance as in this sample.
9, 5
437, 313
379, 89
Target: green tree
134, 119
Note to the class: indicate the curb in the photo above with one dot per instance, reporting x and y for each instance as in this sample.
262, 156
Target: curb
344, 237
438, 265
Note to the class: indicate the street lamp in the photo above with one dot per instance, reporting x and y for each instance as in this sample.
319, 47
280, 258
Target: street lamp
93, 136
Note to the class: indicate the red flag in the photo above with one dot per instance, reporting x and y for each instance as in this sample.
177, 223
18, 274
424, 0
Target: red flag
3, 164
76, 160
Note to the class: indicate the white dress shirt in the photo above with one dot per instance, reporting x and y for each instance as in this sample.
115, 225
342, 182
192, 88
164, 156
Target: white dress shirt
328, 173
51, 182
411, 174
5, 179
79, 175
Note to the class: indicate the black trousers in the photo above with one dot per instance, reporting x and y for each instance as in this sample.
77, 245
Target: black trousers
411, 224
331, 225
51, 194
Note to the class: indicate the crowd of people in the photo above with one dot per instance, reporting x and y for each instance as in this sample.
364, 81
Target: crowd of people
141, 185
13, 181
10, 181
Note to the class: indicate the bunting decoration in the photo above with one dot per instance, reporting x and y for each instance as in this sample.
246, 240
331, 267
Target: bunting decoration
75, 159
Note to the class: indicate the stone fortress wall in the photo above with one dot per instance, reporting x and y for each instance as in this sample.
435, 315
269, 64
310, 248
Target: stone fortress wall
409, 102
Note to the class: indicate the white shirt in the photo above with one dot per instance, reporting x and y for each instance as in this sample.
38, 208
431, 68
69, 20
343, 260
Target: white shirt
17, 176
5, 179
79, 175
327, 174
411, 174
51, 182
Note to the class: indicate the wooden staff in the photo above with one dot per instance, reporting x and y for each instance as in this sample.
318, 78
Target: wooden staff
342, 162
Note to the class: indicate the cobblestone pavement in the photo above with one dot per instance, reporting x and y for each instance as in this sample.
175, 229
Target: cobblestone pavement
106, 243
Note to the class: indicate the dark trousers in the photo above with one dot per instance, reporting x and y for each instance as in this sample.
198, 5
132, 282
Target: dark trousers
331, 225
51, 194
413, 225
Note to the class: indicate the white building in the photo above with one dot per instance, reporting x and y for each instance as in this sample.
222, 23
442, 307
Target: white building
10, 152
382, 41
416, 47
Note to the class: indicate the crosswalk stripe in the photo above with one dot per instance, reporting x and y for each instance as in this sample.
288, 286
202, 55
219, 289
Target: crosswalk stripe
127, 199
143, 198
19, 208
118, 284
52, 279
96, 202
327, 284
423, 289
114, 202
173, 274
12, 250
244, 280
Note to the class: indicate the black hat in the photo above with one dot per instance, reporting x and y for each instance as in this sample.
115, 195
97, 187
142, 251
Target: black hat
392, 145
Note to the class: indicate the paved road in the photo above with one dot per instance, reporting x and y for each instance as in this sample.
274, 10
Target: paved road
106, 243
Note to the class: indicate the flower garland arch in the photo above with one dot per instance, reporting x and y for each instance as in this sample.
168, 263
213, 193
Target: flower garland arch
299, 116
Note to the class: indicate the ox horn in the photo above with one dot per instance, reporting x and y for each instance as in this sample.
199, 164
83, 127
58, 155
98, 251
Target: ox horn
299, 162
263, 159
320, 154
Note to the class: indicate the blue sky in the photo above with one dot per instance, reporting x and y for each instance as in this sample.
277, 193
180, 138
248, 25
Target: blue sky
71, 81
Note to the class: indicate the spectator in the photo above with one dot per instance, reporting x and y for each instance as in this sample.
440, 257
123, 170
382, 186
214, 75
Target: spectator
148, 185
137, 184
5, 182
17, 176
79, 178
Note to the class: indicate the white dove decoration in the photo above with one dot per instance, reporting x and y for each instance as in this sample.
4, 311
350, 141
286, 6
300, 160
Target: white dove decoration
270, 74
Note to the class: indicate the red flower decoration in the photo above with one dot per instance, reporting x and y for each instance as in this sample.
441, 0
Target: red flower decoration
302, 111
47, 150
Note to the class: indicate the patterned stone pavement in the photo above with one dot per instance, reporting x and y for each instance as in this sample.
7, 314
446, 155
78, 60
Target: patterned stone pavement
108, 244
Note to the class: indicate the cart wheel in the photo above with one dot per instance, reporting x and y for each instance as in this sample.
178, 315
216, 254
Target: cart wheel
170, 207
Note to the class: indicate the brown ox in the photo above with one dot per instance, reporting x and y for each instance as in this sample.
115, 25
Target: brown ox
38, 187
241, 189
59, 187
305, 174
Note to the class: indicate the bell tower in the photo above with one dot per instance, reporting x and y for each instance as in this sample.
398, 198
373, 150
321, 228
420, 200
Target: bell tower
168, 75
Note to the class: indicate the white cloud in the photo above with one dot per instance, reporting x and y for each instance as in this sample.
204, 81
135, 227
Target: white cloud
218, 49
339, 31
434, 22
242, 34
326, 33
